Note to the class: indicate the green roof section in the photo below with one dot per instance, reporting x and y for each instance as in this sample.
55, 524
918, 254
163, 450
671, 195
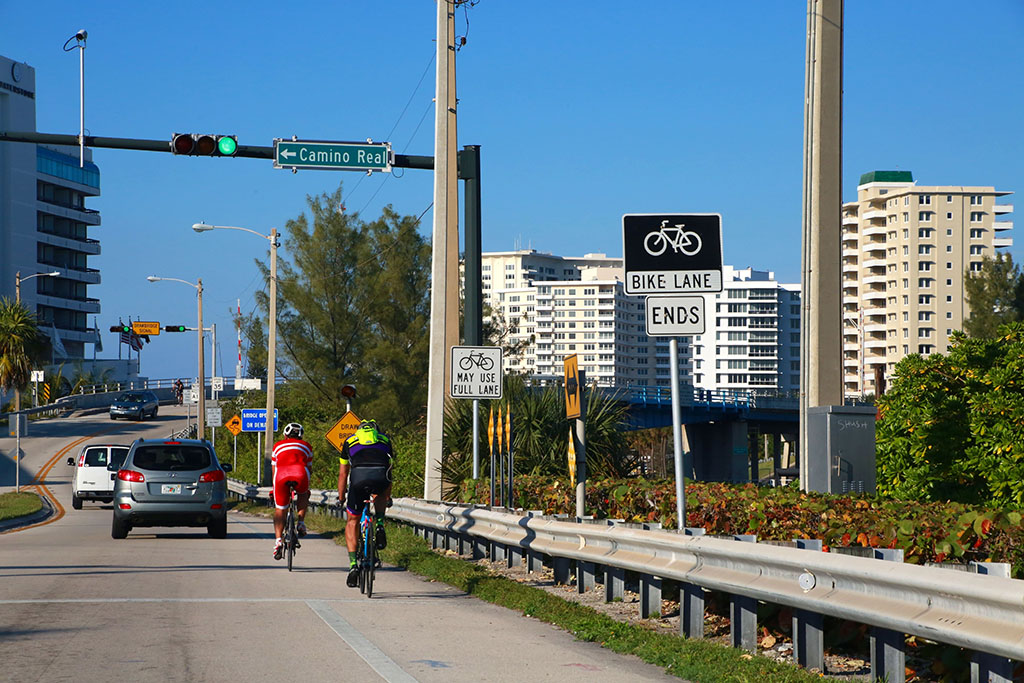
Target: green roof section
886, 177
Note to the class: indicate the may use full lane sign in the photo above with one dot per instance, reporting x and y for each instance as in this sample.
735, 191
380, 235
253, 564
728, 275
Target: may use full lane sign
476, 372
672, 253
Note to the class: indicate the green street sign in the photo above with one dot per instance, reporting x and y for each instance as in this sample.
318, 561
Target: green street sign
333, 156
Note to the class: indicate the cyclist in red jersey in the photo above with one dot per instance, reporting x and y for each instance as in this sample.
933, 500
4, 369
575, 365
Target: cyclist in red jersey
292, 460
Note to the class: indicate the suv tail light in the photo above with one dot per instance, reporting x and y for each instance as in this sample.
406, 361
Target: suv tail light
130, 475
81, 460
215, 475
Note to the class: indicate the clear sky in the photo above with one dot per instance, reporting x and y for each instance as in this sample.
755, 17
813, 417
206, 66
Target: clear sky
584, 110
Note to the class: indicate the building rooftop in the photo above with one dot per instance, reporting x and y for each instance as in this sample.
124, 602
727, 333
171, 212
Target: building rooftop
886, 177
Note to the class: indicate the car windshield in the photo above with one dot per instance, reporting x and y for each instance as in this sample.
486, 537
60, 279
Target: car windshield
168, 458
96, 457
130, 397
118, 455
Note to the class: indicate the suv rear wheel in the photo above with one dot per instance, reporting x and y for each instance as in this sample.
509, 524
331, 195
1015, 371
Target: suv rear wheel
218, 528
76, 502
119, 528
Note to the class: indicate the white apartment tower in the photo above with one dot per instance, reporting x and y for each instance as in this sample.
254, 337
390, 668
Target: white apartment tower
905, 251
555, 306
44, 223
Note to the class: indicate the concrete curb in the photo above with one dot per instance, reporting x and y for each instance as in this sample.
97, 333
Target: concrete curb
45, 513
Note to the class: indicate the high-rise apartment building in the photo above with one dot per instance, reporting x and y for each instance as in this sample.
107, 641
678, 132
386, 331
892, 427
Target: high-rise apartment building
553, 306
906, 250
44, 223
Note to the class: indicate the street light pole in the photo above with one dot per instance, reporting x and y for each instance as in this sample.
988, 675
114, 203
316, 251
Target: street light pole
17, 391
201, 415
268, 447
268, 441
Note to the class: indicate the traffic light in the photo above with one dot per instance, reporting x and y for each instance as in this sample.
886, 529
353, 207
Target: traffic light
175, 328
194, 144
120, 328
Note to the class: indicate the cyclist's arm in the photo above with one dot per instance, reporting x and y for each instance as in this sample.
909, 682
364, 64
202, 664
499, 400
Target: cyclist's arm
343, 469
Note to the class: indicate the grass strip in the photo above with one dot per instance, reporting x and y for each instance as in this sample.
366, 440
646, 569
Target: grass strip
19, 504
694, 660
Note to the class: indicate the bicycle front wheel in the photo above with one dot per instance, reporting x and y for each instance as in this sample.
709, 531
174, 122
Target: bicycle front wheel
289, 535
371, 559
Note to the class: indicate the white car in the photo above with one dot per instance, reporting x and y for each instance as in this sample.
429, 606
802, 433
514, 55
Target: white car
95, 471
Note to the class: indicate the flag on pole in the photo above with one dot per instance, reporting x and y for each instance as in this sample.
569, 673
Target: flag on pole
58, 345
97, 340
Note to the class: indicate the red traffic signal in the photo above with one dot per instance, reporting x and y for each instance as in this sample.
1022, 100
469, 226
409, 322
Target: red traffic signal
194, 144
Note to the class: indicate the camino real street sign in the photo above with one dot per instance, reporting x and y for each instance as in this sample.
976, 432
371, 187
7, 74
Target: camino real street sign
672, 253
333, 156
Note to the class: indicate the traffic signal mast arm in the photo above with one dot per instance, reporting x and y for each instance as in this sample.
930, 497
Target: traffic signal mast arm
247, 151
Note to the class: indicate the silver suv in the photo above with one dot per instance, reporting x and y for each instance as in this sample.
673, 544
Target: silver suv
171, 482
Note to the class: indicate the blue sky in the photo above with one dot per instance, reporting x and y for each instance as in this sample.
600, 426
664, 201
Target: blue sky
584, 111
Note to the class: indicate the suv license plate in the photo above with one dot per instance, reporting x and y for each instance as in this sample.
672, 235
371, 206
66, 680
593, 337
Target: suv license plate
171, 488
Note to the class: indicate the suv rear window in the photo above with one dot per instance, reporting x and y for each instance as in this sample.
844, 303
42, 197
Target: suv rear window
96, 457
168, 458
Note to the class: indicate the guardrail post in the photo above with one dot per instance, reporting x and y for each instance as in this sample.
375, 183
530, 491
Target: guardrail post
499, 551
986, 668
888, 659
808, 627
585, 576
560, 565
743, 613
514, 558
650, 596
614, 584
478, 548
691, 600
534, 560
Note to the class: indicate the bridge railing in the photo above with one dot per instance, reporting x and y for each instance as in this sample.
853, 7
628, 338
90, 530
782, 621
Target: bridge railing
981, 613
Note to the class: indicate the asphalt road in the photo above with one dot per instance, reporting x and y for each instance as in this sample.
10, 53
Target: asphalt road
175, 605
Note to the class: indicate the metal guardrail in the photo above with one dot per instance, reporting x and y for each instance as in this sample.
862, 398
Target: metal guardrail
984, 614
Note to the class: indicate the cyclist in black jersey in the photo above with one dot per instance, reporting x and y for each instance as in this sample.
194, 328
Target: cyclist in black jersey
364, 471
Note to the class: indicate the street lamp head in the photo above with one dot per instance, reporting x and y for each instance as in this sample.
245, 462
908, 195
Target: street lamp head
201, 227
153, 278
53, 274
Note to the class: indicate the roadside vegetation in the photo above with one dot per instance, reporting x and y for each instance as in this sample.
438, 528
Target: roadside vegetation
14, 504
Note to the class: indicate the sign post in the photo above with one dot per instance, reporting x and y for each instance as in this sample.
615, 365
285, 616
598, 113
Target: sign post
234, 426
575, 380
663, 255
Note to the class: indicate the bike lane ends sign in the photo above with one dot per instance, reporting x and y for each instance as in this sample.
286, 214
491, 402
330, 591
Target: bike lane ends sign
672, 253
476, 372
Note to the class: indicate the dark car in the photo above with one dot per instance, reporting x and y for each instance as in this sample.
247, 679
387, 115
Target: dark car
171, 482
135, 404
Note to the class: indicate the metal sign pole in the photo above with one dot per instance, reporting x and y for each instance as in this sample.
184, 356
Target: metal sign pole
259, 459
234, 461
581, 453
677, 438
476, 438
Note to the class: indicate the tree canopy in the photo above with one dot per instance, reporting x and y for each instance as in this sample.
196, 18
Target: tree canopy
353, 308
20, 344
952, 426
995, 295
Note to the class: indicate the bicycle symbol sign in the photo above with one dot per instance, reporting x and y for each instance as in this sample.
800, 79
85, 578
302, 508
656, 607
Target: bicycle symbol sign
476, 372
672, 253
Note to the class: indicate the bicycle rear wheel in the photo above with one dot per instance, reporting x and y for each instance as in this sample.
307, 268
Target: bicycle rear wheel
371, 559
289, 534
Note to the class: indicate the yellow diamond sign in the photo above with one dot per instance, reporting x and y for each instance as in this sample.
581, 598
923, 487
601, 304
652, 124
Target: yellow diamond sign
344, 428
234, 425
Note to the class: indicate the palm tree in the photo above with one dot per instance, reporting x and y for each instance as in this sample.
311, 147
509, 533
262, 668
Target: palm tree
20, 345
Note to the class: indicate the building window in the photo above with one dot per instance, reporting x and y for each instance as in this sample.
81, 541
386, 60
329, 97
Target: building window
975, 266
976, 199
976, 233
949, 316
977, 216
949, 197
924, 266
949, 283
924, 282
949, 265
925, 233
949, 216
906, 216
925, 216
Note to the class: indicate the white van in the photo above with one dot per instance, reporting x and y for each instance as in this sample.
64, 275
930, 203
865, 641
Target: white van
95, 472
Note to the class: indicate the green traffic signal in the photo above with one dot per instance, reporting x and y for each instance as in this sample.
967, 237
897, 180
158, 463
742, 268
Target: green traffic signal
227, 145
174, 328
120, 328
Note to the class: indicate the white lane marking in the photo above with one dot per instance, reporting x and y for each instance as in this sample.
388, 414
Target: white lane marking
371, 654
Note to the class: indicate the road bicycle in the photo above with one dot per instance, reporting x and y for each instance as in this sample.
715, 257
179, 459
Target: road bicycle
291, 534
478, 359
684, 241
366, 549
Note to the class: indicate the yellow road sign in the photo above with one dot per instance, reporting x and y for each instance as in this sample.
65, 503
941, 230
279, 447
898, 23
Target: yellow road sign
148, 329
572, 387
234, 425
572, 460
344, 428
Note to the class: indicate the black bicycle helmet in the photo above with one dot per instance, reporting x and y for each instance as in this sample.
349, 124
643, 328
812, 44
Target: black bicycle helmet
293, 430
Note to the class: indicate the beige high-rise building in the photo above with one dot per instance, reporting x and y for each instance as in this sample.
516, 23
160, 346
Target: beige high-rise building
905, 252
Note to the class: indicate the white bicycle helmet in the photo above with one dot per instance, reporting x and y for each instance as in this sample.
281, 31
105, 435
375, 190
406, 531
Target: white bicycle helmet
293, 430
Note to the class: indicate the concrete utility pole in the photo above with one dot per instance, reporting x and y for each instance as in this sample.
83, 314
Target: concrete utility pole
444, 271
201, 411
268, 441
821, 333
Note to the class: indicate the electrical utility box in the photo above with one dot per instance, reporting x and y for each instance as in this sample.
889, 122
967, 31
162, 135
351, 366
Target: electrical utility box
841, 449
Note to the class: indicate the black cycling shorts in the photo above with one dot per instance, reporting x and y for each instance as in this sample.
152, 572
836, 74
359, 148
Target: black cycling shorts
364, 481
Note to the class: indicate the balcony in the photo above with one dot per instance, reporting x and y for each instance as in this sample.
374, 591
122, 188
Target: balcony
873, 295
874, 231
874, 280
874, 344
86, 305
80, 214
875, 359
84, 246
999, 209
875, 328
850, 220
1002, 225
1000, 242
850, 268
873, 247
850, 252
875, 214
876, 263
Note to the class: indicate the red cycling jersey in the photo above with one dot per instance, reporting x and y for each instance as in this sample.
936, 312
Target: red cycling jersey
292, 460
